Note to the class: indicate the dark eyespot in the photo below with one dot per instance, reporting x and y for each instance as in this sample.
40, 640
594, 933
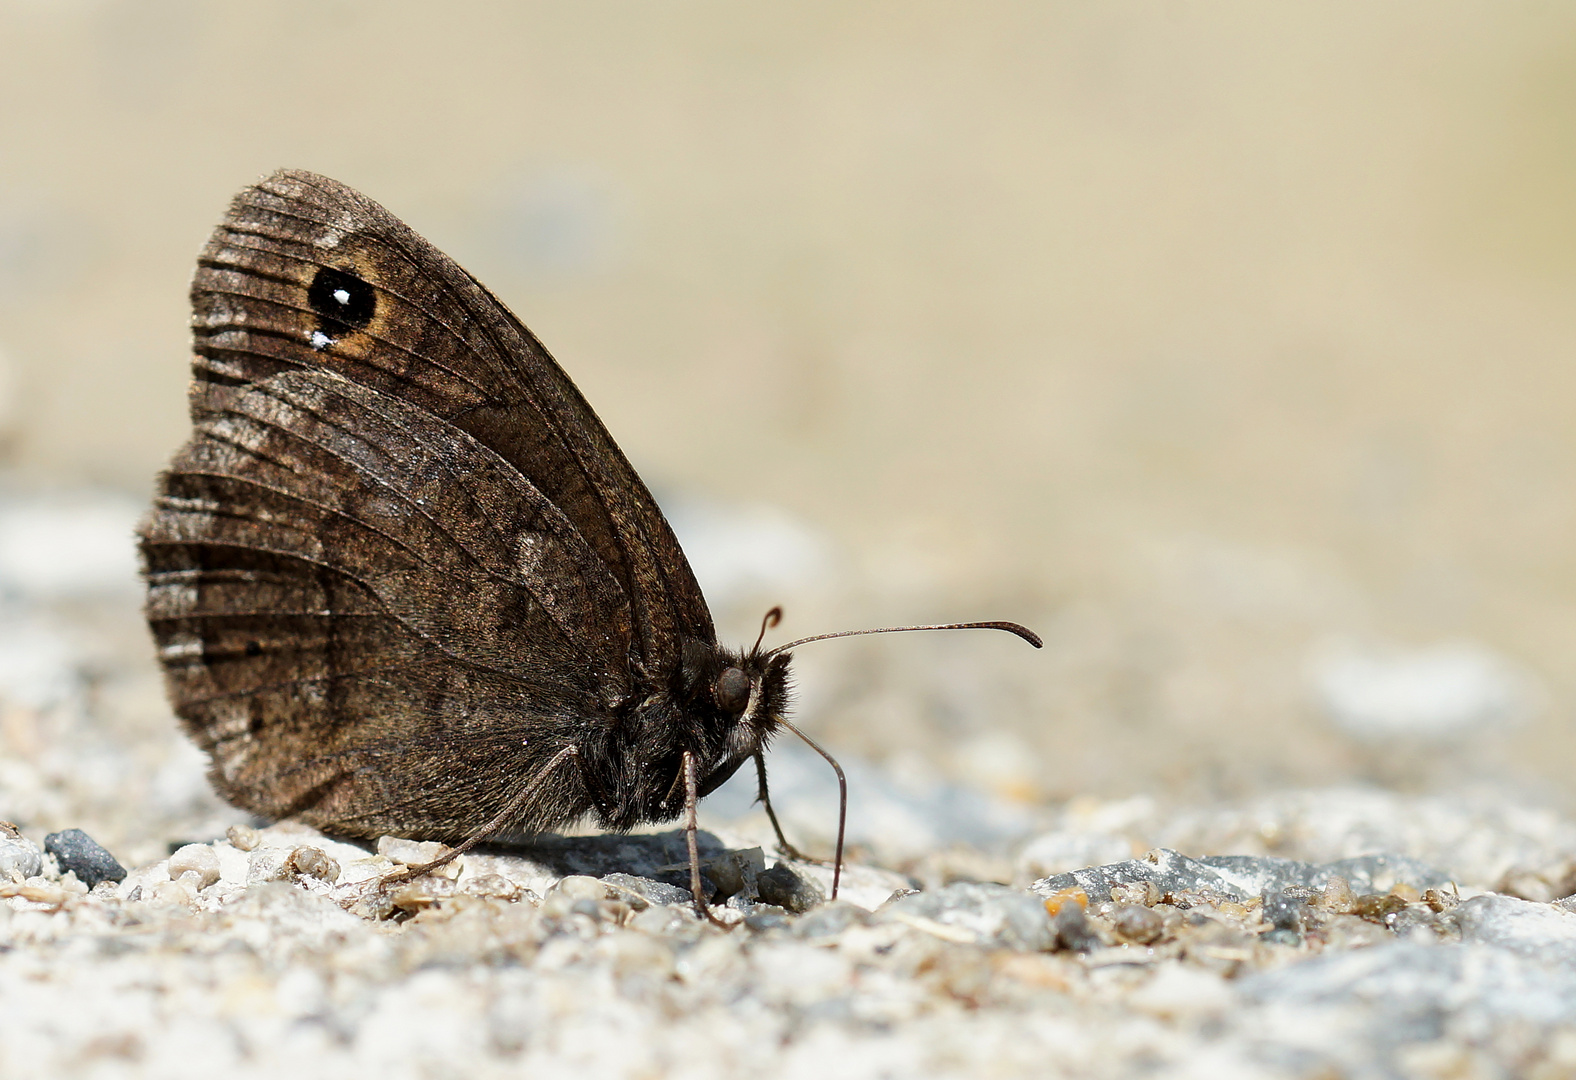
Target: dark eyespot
342, 301
253, 649
731, 691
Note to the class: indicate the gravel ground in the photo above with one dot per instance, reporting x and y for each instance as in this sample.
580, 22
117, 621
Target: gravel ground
269, 950
148, 930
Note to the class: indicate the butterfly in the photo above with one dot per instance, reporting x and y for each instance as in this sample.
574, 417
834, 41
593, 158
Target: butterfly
401, 579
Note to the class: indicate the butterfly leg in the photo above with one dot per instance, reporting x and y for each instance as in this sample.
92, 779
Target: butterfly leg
842, 802
691, 827
504, 816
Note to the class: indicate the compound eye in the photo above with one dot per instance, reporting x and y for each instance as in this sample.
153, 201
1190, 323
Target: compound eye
731, 691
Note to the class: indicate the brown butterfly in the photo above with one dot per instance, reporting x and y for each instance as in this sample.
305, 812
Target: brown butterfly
402, 580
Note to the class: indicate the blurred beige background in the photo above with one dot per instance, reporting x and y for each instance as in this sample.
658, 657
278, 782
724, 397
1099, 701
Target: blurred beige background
1229, 344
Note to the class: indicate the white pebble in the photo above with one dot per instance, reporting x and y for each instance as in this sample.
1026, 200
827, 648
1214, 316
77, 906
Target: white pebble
196, 858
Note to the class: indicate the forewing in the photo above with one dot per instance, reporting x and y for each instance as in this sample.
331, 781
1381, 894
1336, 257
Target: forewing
306, 274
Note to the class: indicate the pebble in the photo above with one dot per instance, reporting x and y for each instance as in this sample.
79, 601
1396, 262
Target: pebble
200, 859
416, 852
20, 858
646, 890
783, 887
78, 853
1137, 924
1283, 911
1073, 932
310, 862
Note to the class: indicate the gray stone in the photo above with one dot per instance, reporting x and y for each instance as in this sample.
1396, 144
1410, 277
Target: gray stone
1284, 911
77, 852
1071, 930
1242, 877
737, 873
787, 889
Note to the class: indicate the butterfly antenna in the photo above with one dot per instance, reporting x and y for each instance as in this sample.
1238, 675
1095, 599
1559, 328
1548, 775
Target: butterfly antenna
773, 617
842, 801
1011, 627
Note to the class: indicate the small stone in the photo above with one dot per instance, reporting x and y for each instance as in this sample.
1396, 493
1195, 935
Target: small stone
1233, 910
421, 894
492, 885
243, 837
1283, 912
309, 862
649, 890
1145, 893
581, 887
1337, 897
784, 888
76, 851
180, 891
1137, 924
195, 858
1378, 907
267, 864
1073, 931
19, 857
575, 893
373, 866
412, 852
763, 917
736, 873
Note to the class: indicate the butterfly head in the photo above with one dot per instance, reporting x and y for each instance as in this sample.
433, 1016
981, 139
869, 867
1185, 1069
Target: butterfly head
739, 698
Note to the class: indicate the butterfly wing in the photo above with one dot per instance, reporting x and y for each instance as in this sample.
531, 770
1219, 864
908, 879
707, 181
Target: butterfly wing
400, 550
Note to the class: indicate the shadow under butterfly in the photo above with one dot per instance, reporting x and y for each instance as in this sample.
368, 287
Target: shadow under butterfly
401, 579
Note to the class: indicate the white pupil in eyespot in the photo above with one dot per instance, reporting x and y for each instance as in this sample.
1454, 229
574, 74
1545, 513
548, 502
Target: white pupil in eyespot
321, 340
342, 295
